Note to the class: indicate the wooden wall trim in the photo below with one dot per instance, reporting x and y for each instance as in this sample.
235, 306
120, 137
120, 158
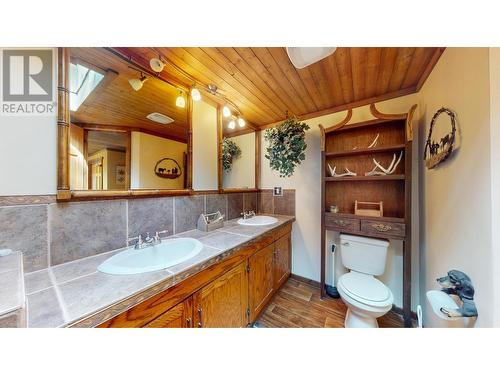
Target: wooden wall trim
258, 138
189, 184
63, 118
19, 200
220, 134
127, 129
344, 107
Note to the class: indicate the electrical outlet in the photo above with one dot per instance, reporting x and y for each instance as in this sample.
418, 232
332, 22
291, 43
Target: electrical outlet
277, 191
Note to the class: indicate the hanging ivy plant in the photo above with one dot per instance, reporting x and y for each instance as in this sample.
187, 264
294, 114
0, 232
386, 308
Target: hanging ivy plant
230, 151
286, 146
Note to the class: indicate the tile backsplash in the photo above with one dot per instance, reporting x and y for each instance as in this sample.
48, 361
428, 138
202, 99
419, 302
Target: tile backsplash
53, 233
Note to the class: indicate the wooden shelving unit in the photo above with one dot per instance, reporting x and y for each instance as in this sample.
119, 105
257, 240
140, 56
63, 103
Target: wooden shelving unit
366, 178
346, 146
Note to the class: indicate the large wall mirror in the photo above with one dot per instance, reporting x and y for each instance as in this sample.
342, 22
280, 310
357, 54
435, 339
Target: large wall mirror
128, 129
239, 155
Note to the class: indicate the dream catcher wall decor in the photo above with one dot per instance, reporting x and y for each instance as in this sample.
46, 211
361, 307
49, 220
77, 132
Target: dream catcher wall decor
436, 152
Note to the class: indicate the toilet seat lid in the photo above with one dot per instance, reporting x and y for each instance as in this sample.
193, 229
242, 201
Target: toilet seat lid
364, 286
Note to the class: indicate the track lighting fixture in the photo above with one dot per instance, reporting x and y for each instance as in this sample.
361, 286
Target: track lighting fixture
241, 122
137, 83
156, 65
195, 94
180, 101
231, 124
226, 111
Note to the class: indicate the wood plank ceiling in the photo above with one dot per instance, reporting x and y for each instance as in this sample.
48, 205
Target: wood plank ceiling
264, 84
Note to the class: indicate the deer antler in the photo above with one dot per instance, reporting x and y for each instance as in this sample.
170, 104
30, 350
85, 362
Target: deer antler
385, 171
334, 174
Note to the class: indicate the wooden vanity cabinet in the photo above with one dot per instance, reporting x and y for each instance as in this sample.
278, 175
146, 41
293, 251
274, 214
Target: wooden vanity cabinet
282, 260
223, 303
230, 293
261, 279
179, 316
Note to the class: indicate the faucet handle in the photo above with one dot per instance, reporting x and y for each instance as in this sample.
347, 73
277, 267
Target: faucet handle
157, 234
138, 243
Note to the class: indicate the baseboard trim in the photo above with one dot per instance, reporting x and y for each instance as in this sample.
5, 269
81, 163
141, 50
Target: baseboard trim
399, 311
305, 280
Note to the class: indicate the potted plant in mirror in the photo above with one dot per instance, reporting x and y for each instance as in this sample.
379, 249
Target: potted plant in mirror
286, 146
230, 150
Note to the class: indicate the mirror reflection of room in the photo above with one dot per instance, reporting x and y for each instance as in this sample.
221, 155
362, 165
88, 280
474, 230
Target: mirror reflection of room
238, 153
129, 129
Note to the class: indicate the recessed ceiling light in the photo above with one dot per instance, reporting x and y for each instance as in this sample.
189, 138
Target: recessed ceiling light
160, 118
241, 122
231, 124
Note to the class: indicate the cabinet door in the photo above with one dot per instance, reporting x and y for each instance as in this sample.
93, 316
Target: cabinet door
260, 279
282, 260
179, 316
223, 303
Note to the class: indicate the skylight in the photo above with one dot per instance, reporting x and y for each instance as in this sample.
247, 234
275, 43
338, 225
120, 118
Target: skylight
81, 83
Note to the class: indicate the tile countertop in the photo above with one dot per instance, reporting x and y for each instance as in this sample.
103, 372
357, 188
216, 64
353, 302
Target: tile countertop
12, 296
76, 294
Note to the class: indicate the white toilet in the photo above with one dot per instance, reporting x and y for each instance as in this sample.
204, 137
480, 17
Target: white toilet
366, 297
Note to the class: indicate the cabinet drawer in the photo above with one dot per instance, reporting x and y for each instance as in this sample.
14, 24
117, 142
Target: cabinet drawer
383, 227
341, 224
280, 232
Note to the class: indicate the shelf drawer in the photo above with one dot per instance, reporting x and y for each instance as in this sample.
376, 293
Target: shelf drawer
378, 228
341, 223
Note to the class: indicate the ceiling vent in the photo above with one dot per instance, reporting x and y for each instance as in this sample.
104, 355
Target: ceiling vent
158, 117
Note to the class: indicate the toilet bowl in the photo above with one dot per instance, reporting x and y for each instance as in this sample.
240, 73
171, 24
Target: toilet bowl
366, 299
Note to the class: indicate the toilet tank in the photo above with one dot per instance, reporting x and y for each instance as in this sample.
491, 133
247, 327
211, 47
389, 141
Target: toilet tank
363, 254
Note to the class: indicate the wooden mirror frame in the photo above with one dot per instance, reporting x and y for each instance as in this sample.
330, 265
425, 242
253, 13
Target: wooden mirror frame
64, 193
220, 136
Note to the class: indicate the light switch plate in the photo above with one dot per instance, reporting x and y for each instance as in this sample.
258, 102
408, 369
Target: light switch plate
278, 191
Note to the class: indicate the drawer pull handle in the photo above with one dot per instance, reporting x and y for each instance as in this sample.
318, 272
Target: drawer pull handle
381, 227
188, 322
341, 223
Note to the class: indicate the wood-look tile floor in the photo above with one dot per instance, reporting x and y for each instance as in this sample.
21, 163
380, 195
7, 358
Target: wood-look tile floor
298, 305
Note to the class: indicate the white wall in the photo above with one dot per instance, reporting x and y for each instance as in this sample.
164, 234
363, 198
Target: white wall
456, 231
307, 184
146, 151
495, 172
242, 173
204, 146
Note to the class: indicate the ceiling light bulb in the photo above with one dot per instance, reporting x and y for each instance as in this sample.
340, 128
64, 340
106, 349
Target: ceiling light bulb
137, 83
232, 124
226, 111
156, 64
180, 101
241, 122
195, 94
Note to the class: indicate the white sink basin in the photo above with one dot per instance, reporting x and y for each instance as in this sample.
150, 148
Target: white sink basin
166, 254
258, 220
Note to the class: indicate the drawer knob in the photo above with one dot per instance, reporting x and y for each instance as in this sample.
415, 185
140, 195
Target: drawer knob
341, 223
381, 227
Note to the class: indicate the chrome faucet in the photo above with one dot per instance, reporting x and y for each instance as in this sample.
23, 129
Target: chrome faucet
148, 241
248, 215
